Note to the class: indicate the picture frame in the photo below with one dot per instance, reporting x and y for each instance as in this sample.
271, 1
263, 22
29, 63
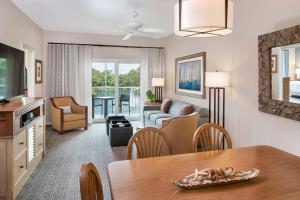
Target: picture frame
190, 75
274, 63
38, 71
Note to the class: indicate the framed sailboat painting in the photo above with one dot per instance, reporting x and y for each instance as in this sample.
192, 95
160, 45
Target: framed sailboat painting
190, 75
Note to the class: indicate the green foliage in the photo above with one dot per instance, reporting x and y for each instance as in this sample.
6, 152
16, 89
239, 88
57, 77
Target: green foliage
150, 95
131, 79
98, 78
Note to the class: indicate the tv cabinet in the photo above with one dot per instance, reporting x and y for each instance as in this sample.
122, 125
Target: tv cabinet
22, 142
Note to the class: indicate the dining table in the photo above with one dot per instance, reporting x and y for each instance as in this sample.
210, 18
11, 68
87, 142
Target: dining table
152, 178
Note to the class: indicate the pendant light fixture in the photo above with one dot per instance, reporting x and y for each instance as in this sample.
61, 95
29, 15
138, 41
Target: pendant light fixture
203, 18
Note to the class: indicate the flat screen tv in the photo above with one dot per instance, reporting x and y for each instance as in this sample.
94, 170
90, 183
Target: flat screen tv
11, 72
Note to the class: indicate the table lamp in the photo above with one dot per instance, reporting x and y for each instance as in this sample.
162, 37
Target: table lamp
216, 82
158, 84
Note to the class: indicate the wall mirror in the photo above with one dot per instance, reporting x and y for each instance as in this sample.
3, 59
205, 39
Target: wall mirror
279, 73
285, 71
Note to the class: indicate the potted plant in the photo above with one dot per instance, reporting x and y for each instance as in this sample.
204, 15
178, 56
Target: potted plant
150, 96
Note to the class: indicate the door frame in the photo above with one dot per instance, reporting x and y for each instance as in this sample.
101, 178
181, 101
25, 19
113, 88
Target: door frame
117, 63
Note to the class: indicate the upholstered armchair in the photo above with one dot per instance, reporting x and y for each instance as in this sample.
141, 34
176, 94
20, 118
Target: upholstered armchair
63, 120
180, 132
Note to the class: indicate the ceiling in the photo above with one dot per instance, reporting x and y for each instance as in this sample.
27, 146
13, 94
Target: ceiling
98, 16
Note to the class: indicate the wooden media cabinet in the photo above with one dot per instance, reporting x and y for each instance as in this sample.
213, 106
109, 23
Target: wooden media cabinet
22, 142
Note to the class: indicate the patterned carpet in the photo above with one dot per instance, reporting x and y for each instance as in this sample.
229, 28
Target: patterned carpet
57, 175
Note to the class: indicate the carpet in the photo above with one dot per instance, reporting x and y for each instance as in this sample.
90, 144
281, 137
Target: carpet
57, 175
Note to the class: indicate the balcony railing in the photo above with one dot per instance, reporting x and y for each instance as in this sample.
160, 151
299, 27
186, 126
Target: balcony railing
131, 108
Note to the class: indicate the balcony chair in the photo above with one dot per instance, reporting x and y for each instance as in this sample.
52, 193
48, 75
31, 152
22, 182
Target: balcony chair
66, 114
96, 103
124, 100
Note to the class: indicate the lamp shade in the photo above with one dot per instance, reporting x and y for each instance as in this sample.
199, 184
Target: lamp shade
158, 82
217, 79
203, 18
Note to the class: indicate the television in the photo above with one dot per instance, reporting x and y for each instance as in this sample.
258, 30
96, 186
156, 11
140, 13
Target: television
11, 72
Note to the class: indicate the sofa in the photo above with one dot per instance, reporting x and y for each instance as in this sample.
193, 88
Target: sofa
153, 116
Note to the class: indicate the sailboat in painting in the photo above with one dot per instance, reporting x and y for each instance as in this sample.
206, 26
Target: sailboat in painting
189, 76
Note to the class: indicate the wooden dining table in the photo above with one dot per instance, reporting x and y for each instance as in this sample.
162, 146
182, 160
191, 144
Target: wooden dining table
152, 178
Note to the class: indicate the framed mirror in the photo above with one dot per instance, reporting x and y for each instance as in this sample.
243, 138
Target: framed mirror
285, 67
279, 73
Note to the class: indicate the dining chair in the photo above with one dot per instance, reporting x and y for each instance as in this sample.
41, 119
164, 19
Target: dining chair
210, 137
90, 183
149, 142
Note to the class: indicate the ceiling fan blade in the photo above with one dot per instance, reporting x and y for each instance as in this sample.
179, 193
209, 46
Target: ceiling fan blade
108, 32
153, 30
122, 26
128, 36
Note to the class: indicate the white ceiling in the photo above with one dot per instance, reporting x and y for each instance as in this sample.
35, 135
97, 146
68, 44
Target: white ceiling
98, 16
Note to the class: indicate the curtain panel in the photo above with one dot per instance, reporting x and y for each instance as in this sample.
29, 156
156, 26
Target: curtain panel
69, 73
155, 66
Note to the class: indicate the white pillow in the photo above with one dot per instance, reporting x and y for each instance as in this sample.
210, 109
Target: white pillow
67, 109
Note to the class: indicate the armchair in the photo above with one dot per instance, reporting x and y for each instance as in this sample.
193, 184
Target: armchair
64, 122
180, 131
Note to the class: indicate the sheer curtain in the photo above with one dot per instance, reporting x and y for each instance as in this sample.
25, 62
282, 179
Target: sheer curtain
69, 73
154, 67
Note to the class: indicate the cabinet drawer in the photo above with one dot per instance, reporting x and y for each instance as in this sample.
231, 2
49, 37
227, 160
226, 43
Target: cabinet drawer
39, 126
20, 167
39, 144
20, 143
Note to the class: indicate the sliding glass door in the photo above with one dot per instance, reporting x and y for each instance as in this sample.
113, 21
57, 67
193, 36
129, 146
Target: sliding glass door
119, 81
103, 85
129, 89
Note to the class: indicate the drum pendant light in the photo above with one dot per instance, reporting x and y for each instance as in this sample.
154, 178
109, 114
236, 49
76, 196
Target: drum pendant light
203, 18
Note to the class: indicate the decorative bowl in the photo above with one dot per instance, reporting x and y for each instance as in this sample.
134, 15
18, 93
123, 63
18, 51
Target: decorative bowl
214, 177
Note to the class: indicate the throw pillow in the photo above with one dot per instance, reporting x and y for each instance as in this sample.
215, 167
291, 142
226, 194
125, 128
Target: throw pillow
166, 105
186, 109
66, 109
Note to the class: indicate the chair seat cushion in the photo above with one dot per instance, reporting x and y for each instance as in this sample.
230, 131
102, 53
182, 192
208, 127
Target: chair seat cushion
73, 117
156, 116
159, 121
148, 113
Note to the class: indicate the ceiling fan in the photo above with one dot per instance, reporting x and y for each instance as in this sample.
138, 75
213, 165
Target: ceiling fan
135, 27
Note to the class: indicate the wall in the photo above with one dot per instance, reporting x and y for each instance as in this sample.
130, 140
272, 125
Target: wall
238, 53
17, 30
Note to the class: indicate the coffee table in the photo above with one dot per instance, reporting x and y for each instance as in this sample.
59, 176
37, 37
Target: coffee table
120, 132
